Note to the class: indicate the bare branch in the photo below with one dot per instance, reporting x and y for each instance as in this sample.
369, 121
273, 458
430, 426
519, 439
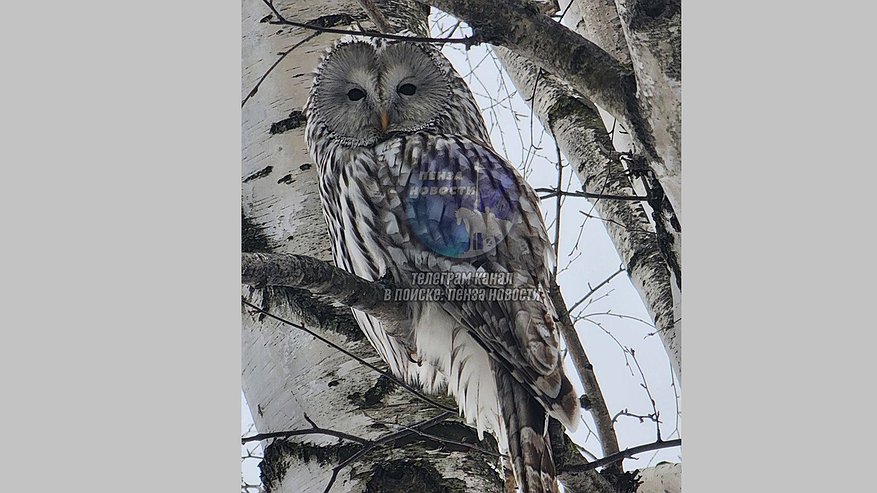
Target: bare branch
545, 42
323, 279
557, 211
283, 55
598, 409
595, 288
624, 454
439, 439
551, 192
314, 430
467, 41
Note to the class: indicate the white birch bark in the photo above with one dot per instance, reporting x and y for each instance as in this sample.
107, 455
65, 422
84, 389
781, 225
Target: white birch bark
599, 22
663, 478
579, 132
286, 373
654, 37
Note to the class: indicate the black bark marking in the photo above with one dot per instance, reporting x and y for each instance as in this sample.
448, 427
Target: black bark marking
405, 476
296, 119
275, 462
286, 179
262, 173
305, 166
252, 237
333, 20
317, 313
373, 396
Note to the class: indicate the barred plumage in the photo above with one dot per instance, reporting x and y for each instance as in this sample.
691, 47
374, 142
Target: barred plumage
404, 172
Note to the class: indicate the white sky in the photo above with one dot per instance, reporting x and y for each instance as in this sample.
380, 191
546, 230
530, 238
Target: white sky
616, 317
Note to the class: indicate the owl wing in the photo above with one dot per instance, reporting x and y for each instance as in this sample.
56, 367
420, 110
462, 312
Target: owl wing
520, 335
353, 206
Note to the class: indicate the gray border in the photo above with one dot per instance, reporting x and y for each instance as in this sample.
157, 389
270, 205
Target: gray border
773, 175
120, 357
121, 238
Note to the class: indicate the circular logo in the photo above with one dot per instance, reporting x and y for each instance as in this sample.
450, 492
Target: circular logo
459, 210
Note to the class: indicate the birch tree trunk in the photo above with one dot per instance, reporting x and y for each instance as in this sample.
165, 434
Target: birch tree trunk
286, 373
579, 132
653, 30
599, 21
594, 73
647, 35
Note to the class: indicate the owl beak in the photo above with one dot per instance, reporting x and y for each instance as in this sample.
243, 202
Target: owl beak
385, 121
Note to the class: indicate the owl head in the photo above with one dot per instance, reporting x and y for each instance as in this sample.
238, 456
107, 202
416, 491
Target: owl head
366, 90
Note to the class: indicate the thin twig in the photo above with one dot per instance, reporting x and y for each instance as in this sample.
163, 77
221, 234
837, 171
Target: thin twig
382, 441
595, 288
255, 88
314, 430
445, 440
553, 193
624, 454
467, 41
641, 417
557, 213
645, 385
389, 375
617, 223
599, 410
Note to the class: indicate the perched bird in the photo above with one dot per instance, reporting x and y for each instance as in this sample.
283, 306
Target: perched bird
413, 191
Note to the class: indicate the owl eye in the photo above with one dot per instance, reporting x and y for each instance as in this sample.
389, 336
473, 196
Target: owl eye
407, 89
355, 94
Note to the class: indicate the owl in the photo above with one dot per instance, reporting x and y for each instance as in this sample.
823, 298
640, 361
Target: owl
412, 191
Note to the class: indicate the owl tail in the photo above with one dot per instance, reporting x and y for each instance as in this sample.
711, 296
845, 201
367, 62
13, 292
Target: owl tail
528, 446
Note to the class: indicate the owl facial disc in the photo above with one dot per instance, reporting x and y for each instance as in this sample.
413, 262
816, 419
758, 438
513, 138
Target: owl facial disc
365, 92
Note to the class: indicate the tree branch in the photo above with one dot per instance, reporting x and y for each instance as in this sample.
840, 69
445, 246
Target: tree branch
551, 192
624, 454
579, 131
519, 26
598, 408
313, 430
280, 58
467, 41
322, 279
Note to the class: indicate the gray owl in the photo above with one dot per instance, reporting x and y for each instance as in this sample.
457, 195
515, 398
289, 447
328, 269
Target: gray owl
413, 191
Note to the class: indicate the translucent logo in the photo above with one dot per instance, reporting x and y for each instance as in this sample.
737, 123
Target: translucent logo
460, 212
